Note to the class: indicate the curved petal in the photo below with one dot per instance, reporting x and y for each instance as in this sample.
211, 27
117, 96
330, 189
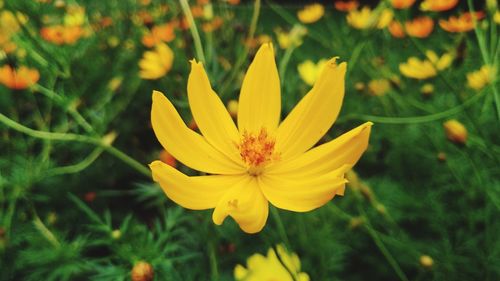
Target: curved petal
196, 193
184, 144
314, 114
304, 194
260, 97
246, 204
210, 114
344, 150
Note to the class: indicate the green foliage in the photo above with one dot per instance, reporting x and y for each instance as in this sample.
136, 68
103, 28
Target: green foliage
78, 203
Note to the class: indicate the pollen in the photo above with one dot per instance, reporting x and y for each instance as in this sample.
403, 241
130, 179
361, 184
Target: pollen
256, 150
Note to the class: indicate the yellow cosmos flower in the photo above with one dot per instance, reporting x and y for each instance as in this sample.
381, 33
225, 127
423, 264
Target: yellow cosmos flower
291, 39
311, 13
156, 64
496, 17
441, 63
310, 71
271, 268
366, 18
478, 79
261, 160
424, 69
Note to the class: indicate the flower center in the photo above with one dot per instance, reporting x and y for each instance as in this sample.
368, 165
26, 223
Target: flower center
257, 150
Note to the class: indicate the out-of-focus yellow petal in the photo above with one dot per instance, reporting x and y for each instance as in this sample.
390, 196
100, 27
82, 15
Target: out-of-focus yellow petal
314, 114
260, 97
344, 150
210, 114
197, 193
246, 204
184, 144
304, 194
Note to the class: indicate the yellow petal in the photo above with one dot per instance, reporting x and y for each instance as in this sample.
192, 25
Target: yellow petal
210, 114
246, 204
314, 114
304, 194
344, 150
184, 144
197, 193
260, 97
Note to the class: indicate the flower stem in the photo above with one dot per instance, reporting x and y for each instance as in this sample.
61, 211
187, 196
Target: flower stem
281, 226
194, 30
76, 138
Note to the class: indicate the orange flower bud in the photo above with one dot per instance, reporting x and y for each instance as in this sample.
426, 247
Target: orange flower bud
142, 271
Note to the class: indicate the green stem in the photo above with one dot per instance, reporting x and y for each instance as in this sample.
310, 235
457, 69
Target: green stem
243, 57
46, 232
415, 119
214, 271
281, 226
68, 108
75, 168
76, 138
194, 30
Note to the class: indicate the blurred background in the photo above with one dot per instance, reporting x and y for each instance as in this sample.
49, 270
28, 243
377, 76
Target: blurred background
77, 201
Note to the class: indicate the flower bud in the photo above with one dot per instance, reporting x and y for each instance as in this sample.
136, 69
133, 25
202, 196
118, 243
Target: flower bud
142, 271
455, 131
232, 108
426, 261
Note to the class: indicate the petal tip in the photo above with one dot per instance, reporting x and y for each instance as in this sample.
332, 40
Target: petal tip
157, 95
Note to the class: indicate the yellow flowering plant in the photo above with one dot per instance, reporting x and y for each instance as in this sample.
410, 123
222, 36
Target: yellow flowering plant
261, 160
279, 264
156, 64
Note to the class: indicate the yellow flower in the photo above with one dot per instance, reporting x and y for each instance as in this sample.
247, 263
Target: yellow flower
271, 268
156, 64
440, 63
292, 38
310, 71
379, 87
496, 17
366, 18
311, 13
455, 131
417, 69
261, 160
424, 69
478, 79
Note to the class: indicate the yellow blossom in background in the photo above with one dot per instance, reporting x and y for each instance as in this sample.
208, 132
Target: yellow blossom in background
260, 160
9, 26
417, 69
496, 17
463, 23
438, 5
280, 266
423, 69
156, 64
19, 79
455, 131
427, 89
426, 261
311, 13
366, 18
292, 38
478, 79
441, 63
232, 108
75, 16
379, 87
310, 71
402, 4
